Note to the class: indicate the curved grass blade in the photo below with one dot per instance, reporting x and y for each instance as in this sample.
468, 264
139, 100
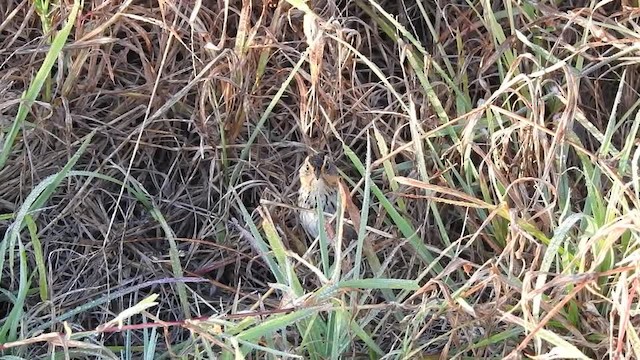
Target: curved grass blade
32, 92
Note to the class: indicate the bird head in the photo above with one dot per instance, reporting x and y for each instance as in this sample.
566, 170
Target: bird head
318, 168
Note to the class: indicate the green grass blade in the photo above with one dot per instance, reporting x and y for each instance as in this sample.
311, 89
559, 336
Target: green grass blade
276, 323
400, 284
43, 287
36, 199
34, 89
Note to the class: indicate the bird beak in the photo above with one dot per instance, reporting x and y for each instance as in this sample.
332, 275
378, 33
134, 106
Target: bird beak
318, 171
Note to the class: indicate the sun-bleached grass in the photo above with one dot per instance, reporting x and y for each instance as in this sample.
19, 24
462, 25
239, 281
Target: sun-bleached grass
489, 155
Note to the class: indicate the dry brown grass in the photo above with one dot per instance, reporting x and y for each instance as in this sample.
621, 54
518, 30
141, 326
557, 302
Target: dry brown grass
191, 107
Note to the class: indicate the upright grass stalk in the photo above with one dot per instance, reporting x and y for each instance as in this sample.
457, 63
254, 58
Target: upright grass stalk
29, 97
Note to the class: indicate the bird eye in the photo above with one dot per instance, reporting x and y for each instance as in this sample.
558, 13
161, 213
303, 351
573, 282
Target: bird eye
327, 165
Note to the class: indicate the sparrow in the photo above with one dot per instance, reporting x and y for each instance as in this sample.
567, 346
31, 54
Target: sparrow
319, 181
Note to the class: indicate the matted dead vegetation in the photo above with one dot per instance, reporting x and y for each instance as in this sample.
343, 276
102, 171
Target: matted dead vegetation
149, 173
